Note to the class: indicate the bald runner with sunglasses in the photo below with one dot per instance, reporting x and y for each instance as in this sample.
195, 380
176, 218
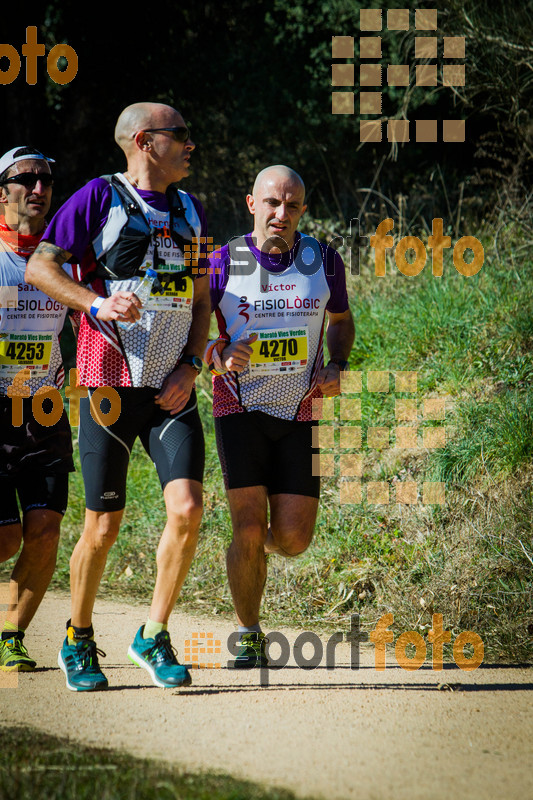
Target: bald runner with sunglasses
35, 455
116, 227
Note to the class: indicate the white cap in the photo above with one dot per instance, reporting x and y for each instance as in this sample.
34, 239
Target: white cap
21, 154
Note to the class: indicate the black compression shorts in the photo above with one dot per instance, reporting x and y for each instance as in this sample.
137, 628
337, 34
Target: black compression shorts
32, 446
256, 449
174, 443
35, 490
35, 461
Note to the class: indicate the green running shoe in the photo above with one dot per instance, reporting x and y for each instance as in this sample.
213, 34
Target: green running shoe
14, 656
80, 664
158, 658
252, 652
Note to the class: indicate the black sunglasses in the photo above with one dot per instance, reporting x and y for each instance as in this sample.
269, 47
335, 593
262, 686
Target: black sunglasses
29, 179
182, 134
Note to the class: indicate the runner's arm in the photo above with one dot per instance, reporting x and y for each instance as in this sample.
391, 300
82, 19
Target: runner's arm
201, 313
177, 386
44, 270
340, 335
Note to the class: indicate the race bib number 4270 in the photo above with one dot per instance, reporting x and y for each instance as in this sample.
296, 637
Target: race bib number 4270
279, 350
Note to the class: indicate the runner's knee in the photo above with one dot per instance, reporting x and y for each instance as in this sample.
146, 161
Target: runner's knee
295, 548
43, 540
101, 534
9, 542
186, 516
293, 542
248, 536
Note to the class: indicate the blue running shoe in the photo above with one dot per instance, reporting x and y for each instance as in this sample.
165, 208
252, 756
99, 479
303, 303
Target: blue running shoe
158, 658
80, 664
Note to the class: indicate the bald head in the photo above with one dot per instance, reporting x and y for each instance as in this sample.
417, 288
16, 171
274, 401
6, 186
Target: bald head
138, 117
277, 203
151, 136
275, 174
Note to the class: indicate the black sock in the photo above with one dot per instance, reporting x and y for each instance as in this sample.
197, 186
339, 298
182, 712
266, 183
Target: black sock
79, 634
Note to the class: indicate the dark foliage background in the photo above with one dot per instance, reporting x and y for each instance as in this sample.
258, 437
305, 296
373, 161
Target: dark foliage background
254, 79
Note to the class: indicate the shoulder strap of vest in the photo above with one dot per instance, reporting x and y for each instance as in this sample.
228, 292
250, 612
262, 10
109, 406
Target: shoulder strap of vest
179, 224
174, 201
134, 212
129, 203
182, 230
175, 205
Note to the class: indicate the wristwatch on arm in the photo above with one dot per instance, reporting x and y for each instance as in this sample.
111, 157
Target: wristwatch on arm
193, 361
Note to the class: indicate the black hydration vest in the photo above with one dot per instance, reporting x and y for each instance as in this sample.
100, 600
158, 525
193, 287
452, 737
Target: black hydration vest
125, 256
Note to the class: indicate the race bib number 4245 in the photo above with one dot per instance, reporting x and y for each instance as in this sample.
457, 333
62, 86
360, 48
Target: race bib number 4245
175, 292
279, 350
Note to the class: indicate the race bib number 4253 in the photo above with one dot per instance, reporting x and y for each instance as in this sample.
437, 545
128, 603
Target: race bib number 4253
19, 350
279, 350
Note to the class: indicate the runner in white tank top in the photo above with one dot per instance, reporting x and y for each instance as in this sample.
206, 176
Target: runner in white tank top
35, 452
273, 293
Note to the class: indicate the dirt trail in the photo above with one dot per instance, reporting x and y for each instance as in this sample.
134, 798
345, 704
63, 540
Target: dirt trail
335, 733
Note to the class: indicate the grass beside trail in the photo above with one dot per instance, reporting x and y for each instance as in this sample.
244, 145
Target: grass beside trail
470, 342
34, 766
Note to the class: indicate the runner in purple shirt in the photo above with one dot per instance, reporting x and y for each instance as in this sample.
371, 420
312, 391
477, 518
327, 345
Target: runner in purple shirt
273, 295
119, 229
106, 356
85, 214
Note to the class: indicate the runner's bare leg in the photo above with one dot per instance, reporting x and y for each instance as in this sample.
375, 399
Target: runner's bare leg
246, 561
183, 499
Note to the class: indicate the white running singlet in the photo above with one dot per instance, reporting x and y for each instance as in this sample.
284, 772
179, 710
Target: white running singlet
30, 325
287, 310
